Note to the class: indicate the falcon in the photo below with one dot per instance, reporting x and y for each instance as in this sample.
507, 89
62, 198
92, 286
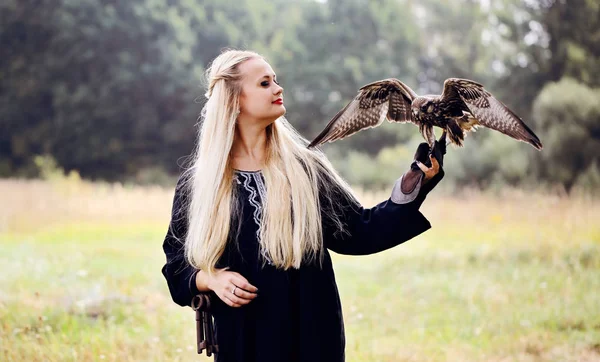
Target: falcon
463, 106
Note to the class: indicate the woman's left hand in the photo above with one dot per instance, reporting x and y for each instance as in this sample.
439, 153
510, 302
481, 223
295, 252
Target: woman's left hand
406, 188
436, 158
429, 172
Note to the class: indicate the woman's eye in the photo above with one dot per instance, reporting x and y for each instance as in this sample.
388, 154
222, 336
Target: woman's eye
266, 83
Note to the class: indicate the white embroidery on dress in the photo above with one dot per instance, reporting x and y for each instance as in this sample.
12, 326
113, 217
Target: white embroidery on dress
262, 190
258, 204
262, 193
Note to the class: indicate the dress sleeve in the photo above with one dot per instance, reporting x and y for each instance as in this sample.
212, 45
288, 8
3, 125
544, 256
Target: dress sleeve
180, 275
371, 230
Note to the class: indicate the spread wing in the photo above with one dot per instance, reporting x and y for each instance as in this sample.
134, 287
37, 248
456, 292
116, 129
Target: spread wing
388, 98
488, 111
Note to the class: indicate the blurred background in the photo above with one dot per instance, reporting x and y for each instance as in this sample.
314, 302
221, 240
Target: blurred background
99, 104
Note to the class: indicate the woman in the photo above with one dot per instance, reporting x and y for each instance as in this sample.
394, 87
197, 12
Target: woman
255, 214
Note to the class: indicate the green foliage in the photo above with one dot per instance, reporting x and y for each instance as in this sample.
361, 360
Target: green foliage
589, 180
377, 172
153, 176
48, 168
568, 115
499, 160
113, 89
100, 85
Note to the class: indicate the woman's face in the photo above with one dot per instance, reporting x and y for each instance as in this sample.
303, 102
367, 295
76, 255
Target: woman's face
261, 100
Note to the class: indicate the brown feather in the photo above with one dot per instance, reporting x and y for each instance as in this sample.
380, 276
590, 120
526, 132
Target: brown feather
388, 98
489, 111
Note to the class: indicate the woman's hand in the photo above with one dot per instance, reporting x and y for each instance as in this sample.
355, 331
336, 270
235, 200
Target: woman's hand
423, 172
436, 158
429, 172
232, 288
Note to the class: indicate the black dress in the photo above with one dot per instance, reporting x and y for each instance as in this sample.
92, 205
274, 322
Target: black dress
297, 315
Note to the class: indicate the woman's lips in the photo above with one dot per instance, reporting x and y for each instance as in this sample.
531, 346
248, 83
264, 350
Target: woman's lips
279, 101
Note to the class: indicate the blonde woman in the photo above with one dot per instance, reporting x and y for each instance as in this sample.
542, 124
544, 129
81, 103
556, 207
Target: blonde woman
256, 213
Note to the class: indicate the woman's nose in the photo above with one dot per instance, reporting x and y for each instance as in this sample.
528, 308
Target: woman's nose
279, 89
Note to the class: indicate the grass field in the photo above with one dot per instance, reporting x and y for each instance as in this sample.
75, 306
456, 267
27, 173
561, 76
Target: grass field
506, 277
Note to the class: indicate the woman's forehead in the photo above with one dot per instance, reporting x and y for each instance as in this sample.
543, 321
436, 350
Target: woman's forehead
256, 68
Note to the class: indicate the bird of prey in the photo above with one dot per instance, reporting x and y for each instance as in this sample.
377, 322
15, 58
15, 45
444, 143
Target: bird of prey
463, 106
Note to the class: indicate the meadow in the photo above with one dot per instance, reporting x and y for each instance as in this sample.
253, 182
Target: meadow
508, 276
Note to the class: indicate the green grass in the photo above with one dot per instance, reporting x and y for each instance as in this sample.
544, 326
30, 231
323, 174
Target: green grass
472, 305
500, 289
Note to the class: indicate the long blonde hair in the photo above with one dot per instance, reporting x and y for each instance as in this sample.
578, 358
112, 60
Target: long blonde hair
291, 230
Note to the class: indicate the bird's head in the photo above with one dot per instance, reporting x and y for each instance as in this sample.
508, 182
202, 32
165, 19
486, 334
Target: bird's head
421, 105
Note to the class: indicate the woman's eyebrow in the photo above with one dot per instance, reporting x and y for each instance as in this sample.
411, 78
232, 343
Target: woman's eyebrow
268, 76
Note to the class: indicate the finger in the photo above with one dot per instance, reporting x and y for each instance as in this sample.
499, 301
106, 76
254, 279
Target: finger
237, 300
435, 165
225, 298
243, 283
229, 300
423, 168
241, 293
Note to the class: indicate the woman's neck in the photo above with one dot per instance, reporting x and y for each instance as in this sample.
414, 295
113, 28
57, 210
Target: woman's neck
248, 151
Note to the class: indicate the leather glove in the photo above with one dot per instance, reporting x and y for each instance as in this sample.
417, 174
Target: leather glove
412, 185
438, 152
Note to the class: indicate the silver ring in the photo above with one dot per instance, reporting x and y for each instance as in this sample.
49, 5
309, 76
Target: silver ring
233, 290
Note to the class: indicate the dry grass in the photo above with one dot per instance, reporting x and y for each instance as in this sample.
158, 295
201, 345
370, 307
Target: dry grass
513, 276
35, 205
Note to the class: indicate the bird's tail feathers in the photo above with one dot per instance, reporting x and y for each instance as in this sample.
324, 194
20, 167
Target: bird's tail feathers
455, 133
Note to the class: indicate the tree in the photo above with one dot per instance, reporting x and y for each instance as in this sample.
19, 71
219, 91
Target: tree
100, 86
568, 114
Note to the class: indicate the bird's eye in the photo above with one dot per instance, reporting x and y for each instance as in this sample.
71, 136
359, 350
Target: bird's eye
424, 108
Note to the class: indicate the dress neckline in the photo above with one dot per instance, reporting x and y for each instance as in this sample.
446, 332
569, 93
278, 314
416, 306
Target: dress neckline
244, 171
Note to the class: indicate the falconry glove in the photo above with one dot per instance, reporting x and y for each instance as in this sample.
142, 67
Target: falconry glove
410, 187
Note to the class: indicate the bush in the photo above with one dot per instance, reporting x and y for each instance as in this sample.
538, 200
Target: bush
568, 114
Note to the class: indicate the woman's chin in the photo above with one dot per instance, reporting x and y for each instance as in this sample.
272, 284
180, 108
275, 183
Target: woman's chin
280, 112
